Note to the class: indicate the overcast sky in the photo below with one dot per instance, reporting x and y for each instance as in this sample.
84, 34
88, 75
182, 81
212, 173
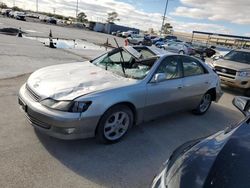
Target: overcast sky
222, 16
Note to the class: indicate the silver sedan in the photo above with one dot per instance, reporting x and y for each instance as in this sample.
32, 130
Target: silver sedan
108, 95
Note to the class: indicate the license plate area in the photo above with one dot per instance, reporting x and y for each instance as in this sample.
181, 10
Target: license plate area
23, 105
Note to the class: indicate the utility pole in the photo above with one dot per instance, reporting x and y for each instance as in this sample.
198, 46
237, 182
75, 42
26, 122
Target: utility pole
76, 8
14, 3
164, 16
36, 5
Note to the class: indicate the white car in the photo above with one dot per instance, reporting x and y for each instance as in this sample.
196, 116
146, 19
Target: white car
19, 15
128, 33
136, 39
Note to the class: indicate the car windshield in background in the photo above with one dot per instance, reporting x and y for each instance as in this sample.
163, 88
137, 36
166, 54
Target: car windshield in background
135, 66
238, 56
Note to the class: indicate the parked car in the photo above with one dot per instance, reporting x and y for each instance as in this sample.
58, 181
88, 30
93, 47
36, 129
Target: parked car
119, 33
6, 12
219, 160
136, 39
147, 41
121, 88
52, 20
157, 39
19, 15
171, 37
113, 33
128, 33
179, 47
11, 14
234, 69
204, 50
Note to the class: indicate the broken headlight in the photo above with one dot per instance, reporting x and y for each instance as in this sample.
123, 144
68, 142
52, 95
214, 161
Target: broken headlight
67, 106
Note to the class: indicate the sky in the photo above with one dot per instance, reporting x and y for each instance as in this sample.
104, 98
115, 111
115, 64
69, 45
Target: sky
218, 16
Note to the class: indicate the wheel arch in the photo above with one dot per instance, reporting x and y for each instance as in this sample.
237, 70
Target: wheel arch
212, 91
130, 105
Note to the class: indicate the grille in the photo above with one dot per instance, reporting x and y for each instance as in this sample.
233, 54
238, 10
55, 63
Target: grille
32, 94
37, 122
226, 76
225, 70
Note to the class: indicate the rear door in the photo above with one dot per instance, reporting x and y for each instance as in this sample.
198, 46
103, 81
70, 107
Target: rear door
196, 81
165, 97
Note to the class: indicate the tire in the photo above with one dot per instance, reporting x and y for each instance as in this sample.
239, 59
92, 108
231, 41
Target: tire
204, 104
247, 92
114, 124
181, 52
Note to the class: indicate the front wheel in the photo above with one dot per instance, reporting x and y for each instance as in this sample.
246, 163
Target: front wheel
204, 104
114, 124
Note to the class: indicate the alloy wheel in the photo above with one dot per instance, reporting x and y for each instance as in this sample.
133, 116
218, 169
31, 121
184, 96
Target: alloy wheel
205, 102
116, 125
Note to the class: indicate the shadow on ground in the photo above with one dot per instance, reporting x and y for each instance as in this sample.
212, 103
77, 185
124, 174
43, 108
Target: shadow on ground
232, 91
136, 159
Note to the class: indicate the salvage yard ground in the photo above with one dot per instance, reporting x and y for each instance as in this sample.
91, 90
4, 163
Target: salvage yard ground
30, 159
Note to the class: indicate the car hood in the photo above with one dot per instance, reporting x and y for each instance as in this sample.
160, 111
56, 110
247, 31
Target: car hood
69, 81
214, 161
232, 64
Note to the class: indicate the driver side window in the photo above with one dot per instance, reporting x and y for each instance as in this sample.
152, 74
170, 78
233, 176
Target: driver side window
170, 66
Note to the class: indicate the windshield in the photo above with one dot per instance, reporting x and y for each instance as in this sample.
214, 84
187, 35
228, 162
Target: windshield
118, 59
238, 56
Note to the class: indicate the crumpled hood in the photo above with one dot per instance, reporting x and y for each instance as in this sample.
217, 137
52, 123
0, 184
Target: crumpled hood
232, 65
69, 81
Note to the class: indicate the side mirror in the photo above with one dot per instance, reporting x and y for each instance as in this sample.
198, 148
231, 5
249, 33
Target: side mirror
243, 104
159, 77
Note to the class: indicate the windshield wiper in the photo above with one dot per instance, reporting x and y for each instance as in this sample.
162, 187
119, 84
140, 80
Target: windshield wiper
123, 69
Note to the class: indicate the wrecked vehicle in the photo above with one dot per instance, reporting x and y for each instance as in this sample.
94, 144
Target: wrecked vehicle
121, 88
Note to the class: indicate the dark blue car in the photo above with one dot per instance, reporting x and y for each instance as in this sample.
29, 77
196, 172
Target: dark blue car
218, 161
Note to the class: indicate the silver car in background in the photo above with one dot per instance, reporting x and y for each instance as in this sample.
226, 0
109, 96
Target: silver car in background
108, 95
179, 48
136, 39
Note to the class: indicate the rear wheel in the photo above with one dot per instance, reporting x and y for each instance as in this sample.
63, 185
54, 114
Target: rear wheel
114, 124
204, 104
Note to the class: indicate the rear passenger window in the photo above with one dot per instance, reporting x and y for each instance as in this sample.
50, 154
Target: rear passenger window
192, 67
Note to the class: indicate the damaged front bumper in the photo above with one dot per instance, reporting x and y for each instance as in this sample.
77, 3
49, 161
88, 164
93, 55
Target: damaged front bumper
59, 124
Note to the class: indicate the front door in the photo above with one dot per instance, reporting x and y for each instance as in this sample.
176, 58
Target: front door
165, 97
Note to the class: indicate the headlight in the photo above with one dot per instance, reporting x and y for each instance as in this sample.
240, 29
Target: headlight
244, 74
80, 106
67, 106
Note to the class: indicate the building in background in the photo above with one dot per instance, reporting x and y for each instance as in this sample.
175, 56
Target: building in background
109, 28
